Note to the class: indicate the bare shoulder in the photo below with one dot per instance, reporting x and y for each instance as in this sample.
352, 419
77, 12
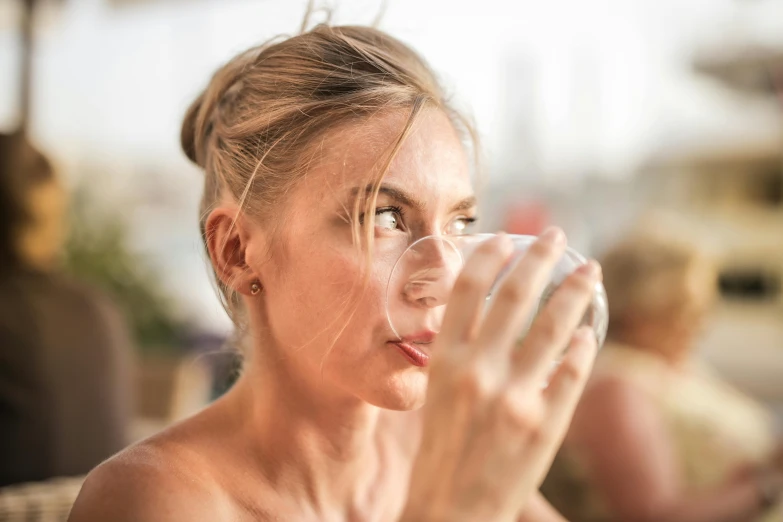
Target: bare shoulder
614, 395
152, 481
616, 411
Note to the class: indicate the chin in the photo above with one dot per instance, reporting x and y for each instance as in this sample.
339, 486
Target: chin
402, 391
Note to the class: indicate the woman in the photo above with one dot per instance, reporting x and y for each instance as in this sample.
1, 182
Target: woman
325, 156
656, 437
64, 350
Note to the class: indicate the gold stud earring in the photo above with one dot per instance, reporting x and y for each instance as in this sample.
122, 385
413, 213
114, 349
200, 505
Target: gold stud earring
255, 287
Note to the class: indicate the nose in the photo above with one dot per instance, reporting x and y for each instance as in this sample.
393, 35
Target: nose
432, 266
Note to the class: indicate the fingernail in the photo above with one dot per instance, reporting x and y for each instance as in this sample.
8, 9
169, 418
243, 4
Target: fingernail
591, 269
553, 235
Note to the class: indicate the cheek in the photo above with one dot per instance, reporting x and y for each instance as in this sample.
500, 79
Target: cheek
311, 296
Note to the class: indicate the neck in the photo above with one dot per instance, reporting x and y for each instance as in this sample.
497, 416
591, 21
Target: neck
311, 439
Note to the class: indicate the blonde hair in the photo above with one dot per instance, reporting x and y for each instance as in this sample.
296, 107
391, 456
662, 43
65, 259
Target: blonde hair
647, 275
262, 112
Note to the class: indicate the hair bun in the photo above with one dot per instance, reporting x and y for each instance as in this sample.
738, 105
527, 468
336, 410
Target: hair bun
191, 138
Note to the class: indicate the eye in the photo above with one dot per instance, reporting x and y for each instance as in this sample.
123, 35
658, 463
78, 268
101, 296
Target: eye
388, 218
460, 225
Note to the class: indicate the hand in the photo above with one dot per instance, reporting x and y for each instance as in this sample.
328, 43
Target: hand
491, 429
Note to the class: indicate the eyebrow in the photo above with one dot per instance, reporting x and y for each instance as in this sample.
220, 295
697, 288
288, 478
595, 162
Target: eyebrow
411, 201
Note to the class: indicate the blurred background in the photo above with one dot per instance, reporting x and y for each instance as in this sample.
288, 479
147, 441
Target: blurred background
594, 114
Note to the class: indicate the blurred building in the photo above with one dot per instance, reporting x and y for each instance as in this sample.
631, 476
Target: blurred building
725, 193
732, 196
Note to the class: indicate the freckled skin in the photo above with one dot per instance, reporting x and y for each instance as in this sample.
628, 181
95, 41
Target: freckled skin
323, 271
312, 362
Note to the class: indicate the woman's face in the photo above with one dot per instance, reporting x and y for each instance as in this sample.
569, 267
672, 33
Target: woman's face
324, 318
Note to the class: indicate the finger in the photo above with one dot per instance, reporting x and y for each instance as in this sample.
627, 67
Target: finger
519, 292
568, 382
471, 288
562, 396
554, 326
556, 404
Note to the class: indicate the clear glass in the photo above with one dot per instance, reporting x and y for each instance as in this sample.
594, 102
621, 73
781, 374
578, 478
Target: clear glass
423, 278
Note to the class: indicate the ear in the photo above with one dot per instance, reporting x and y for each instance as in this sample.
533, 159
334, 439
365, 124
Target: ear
227, 237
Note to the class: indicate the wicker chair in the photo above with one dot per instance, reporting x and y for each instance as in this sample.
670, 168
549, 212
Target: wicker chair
48, 501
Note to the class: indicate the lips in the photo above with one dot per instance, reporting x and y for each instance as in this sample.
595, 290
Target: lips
413, 347
422, 337
413, 353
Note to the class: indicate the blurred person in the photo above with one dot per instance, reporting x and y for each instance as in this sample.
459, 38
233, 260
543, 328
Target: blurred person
325, 155
64, 350
657, 436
